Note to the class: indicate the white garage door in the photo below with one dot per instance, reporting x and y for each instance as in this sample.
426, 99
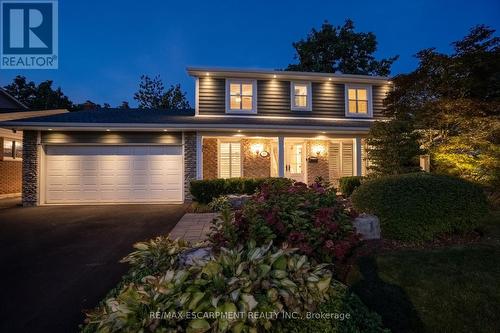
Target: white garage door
121, 174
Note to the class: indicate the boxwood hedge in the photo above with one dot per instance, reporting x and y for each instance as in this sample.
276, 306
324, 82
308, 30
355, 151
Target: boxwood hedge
206, 190
420, 206
347, 185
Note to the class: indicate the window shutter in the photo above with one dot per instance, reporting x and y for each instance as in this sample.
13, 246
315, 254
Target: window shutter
224, 163
235, 159
334, 165
347, 160
229, 160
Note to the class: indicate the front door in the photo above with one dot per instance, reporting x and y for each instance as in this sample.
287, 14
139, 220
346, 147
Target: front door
295, 161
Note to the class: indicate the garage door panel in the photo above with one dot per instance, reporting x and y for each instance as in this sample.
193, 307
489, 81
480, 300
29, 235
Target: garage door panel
92, 174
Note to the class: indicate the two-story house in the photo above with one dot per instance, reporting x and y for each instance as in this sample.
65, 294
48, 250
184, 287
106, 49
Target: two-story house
246, 123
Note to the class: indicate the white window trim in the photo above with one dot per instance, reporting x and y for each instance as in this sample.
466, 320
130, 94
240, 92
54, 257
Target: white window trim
254, 96
229, 140
292, 96
368, 88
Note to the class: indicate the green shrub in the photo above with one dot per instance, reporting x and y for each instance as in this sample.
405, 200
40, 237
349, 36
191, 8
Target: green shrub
251, 279
347, 185
206, 190
420, 206
343, 303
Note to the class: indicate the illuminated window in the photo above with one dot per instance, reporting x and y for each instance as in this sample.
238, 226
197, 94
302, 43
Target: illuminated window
358, 101
12, 149
301, 96
229, 159
241, 96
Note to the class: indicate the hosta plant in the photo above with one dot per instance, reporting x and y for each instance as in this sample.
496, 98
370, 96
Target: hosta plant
155, 255
236, 283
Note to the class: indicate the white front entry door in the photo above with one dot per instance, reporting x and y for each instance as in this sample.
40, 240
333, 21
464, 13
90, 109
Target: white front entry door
113, 174
295, 161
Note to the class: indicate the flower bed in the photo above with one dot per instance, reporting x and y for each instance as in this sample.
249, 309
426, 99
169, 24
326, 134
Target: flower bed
309, 218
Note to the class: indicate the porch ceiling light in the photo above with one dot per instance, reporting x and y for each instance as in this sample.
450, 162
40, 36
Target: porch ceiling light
256, 148
318, 149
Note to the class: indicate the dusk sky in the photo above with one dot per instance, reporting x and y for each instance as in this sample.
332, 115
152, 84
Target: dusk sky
105, 46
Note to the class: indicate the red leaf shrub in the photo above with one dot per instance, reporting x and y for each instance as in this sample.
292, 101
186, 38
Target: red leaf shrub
309, 218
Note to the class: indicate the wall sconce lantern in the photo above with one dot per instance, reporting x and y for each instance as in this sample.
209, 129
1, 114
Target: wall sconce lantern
257, 148
318, 150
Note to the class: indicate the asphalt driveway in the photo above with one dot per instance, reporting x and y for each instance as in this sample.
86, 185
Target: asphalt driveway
57, 260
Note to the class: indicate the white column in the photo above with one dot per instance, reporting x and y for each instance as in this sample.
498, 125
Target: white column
199, 156
357, 159
281, 156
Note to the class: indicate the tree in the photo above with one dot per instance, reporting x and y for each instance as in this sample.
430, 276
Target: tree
124, 105
41, 96
150, 92
152, 95
340, 49
393, 148
175, 98
454, 102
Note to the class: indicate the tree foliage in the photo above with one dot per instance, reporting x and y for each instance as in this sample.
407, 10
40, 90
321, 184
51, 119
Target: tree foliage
340, 49
152, 95
454, 102
393, 148
42, 96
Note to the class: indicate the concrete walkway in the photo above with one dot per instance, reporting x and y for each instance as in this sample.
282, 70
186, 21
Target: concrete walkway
193, 227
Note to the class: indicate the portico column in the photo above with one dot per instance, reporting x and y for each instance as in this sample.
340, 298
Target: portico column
281, 156
358, 159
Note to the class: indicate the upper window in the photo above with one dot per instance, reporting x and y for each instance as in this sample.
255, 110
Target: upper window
301, 96
358, 101
241, 96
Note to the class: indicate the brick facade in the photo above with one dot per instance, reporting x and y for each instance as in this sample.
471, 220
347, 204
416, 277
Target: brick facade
254, 165
30, 169
189, 162
319, 169
210, 158
11, 177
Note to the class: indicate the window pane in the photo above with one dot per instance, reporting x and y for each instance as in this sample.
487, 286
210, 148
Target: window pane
362, 94
300, 89
246, 103
352, 93
7, 148
301, 101
247, 89
19, 149
352, 106
235, 102
362, 107
235, 88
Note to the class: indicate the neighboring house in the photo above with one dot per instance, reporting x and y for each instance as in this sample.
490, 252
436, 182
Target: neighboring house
11, 143
246, 123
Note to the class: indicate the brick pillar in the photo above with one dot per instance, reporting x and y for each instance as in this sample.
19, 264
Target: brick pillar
189, 162
30, 169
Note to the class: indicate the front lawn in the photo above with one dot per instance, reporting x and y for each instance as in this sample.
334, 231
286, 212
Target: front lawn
452, 289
